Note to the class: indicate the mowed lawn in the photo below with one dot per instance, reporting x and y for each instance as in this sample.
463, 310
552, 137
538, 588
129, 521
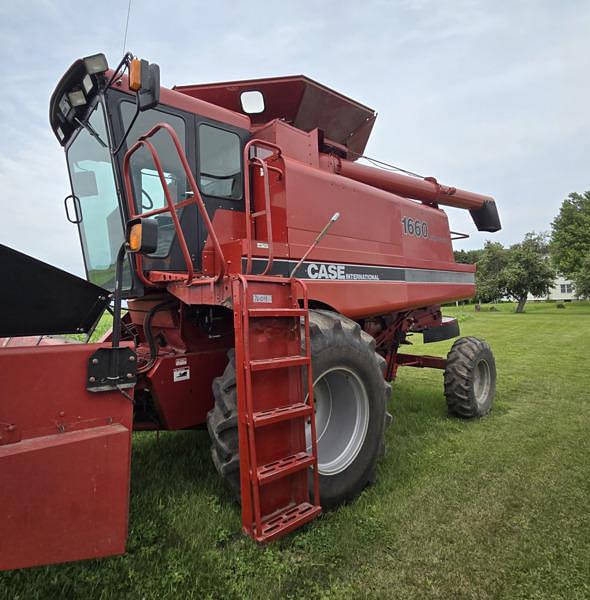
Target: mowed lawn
498, 508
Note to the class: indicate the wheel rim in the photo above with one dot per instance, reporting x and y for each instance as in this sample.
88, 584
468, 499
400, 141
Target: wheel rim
481, 382
342, 419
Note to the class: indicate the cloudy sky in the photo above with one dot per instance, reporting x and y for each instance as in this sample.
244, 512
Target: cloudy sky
485, 95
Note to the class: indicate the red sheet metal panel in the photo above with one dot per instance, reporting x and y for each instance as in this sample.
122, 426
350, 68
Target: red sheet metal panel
64, 459
181, 386
64, 497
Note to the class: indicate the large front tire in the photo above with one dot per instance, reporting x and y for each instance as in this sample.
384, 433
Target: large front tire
351, 414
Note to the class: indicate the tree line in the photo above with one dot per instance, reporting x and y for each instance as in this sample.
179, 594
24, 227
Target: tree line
530, 267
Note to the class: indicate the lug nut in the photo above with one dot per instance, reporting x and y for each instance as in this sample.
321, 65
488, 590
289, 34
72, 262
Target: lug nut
95, 361
132, 359
129, 375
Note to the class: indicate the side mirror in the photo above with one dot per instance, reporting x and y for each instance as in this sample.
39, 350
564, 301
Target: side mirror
144, 78
142, 236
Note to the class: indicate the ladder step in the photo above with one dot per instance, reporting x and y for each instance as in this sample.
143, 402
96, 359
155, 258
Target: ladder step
284, 467
287, 520
283, 413
276, 363
276, 312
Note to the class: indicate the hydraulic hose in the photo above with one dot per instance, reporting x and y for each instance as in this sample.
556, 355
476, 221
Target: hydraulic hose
147, 329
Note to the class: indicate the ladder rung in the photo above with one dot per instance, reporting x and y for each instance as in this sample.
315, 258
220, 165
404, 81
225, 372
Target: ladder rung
260, 213
284, 467
287, 520
276, 363
276, 312
283, 413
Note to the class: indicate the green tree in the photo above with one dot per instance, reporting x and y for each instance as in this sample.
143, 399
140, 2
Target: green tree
570, 241
581, 279
528, 270
467, 257
490, 266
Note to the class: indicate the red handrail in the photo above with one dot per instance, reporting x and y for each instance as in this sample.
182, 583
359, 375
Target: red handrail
267, 214
247, 199
170, 206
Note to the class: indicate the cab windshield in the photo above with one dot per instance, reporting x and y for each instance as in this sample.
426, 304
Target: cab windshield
93, 183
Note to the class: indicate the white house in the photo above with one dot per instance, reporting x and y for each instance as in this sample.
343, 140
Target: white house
563, 289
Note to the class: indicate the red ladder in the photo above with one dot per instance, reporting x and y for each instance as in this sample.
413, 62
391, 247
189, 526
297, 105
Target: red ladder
272, 407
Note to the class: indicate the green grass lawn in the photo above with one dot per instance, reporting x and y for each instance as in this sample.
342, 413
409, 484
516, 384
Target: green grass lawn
498, 508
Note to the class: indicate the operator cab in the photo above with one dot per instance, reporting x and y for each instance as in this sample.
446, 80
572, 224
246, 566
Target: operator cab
97, 117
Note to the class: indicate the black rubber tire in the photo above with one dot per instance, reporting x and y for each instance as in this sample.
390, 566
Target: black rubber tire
335, 340
464, 361
222, 424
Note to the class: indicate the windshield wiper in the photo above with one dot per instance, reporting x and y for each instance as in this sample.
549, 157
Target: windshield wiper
91, 131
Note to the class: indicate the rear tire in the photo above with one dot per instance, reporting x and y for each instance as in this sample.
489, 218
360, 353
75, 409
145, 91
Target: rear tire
470, 378
347, 373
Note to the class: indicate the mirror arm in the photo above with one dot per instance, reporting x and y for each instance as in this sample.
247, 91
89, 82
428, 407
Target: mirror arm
118, 293
124, 139
124, 62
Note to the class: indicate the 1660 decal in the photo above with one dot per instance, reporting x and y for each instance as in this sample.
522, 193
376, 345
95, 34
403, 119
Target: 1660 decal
415, 227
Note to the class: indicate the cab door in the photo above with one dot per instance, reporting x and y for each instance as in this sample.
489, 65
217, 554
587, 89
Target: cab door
147, 187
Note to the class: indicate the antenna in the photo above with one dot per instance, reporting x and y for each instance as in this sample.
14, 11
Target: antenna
126, 25
321, 234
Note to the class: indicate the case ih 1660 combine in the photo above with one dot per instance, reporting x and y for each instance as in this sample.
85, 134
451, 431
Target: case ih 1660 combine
270, 282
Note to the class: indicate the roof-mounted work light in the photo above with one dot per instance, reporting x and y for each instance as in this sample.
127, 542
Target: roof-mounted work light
77, 98
87, 84
95, 64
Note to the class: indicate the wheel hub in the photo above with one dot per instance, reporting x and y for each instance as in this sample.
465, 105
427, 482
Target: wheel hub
481, 382
342, 419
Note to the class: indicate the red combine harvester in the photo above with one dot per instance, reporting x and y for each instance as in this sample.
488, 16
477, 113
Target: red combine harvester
270, 281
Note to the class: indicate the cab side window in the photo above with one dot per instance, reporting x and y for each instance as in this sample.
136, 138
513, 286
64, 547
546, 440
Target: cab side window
220, 168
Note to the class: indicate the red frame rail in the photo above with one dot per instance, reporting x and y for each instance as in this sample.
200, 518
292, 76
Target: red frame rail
171, 207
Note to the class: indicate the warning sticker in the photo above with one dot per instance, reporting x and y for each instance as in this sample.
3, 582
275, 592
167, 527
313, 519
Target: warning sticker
181, 374
181, 361
262, 298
